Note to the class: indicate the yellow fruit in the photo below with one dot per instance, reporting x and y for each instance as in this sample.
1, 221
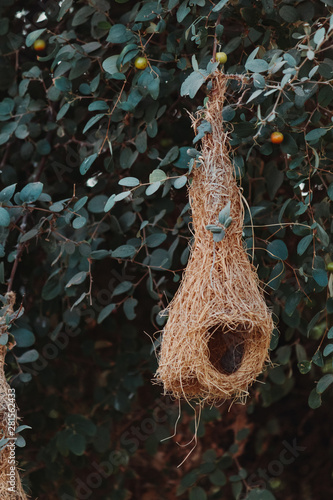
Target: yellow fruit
39, 45
141, 63
329, 267
221, 57
277, 137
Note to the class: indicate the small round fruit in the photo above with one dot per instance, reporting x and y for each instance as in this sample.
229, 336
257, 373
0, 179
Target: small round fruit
329, 267
39, 45
277, 137
221, 57
141, 63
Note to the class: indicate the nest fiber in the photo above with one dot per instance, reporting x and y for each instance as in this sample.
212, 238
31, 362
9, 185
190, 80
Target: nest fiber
215, 342
10, 482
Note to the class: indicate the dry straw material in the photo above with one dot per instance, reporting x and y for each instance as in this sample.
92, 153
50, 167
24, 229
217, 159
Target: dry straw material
215, 342
10, 482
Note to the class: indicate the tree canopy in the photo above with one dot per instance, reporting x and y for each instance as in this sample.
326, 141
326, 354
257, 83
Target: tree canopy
96, 230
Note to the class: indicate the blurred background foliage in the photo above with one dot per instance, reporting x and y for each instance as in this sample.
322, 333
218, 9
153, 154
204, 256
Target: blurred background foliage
95, 233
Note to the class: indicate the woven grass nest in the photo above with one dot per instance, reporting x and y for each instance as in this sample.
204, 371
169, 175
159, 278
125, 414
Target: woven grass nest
6, 456
216, 339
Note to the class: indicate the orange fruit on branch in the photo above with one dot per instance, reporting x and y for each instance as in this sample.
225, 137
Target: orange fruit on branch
277, 137
39, 45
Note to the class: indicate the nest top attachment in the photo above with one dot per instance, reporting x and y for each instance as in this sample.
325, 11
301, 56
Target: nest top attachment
215, 342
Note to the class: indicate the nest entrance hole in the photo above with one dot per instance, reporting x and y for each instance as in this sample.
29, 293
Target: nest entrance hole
226, 348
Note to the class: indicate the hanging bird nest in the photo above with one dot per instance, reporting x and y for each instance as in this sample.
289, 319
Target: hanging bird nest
216, 339
10, 482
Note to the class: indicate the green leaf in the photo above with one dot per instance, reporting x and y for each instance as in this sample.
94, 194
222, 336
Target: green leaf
155, 240
121, 196
224, 213
28, 235
328, 350
77, 279
105, 313
129, 182
218, 478
3, 337
220, 5
77, 444
24, 337
127, 158
232, 45
126, 55
228, 113
141, 142
97, 204
193, 82
129, 306
256, 65
98, 106
110, 65
157, 175
22, 132
283, 354
330, 191
28, 356
80, 203
304, 243
92, 121
62, 111
217, 237
320, 277
169, 157
123, 287
319, 36
324, 383
124, 251
277, 249
203, 128
292, 302
81, 425
82, 15
315, 134
110, 203
276, 276
323, 236
118, 34
58, 206
330, 333
318, 359
288, 13
197, 493
153, 188
63, 84
31, 192
87, 162
33, 36
79, 222
255, 94
261, 494
314, 399
182, 11
149, 11
214, 228
4, 217
180, 182
304, 366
